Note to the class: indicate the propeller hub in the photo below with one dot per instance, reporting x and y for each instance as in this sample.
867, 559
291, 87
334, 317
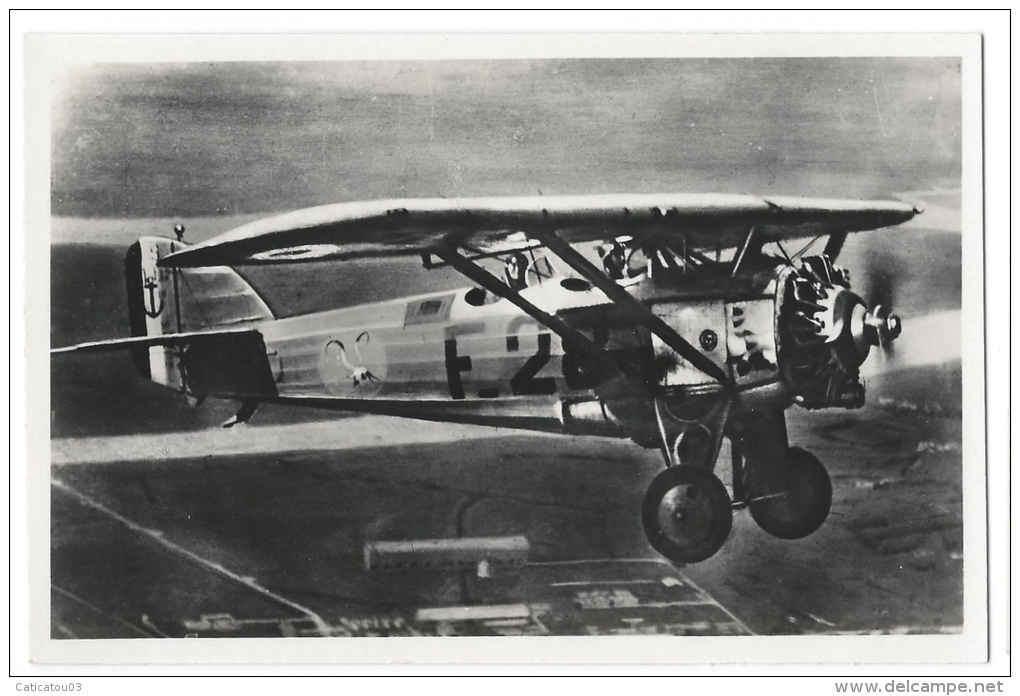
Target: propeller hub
849, 335
881, 327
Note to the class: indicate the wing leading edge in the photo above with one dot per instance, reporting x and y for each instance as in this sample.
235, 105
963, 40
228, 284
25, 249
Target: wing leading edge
416, 226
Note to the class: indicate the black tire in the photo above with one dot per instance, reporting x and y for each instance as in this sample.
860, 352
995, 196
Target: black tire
791, 500
705, 514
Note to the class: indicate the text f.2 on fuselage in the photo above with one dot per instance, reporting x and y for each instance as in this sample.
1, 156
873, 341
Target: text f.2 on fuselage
682, 320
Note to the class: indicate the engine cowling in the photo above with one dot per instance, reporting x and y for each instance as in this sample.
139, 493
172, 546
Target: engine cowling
825, 333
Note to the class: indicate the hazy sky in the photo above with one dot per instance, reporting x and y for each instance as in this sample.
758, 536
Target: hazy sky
200, 139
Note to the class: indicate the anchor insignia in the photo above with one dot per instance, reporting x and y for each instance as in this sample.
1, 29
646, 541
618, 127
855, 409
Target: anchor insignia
151, 309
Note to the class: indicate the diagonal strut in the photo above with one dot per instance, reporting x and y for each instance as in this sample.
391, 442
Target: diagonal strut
623, 298
568, 333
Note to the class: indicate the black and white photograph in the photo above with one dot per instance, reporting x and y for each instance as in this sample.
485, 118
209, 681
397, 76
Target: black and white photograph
533, 345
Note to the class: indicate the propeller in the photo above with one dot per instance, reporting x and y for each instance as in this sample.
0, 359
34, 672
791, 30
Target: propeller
881, 326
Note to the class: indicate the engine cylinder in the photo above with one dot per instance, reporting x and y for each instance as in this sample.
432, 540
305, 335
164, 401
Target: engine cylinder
825, 333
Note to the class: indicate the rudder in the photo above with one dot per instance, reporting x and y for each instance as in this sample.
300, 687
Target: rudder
166, 301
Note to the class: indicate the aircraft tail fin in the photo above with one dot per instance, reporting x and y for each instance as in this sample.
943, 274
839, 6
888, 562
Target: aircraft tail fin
180, 303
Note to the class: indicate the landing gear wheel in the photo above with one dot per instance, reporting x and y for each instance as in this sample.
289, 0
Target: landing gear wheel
791, 500
686, 514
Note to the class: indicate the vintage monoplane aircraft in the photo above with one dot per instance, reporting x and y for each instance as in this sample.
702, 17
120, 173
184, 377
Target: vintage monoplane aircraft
683, 320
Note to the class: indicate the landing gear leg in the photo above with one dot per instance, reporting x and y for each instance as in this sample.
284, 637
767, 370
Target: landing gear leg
692, 442
686, 511
786, 489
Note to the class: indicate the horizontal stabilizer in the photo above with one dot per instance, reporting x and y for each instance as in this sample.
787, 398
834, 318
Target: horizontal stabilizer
170, 339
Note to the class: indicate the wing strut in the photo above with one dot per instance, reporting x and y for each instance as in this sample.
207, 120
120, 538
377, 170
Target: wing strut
623, 298
835, 245
568, 333
743, 252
